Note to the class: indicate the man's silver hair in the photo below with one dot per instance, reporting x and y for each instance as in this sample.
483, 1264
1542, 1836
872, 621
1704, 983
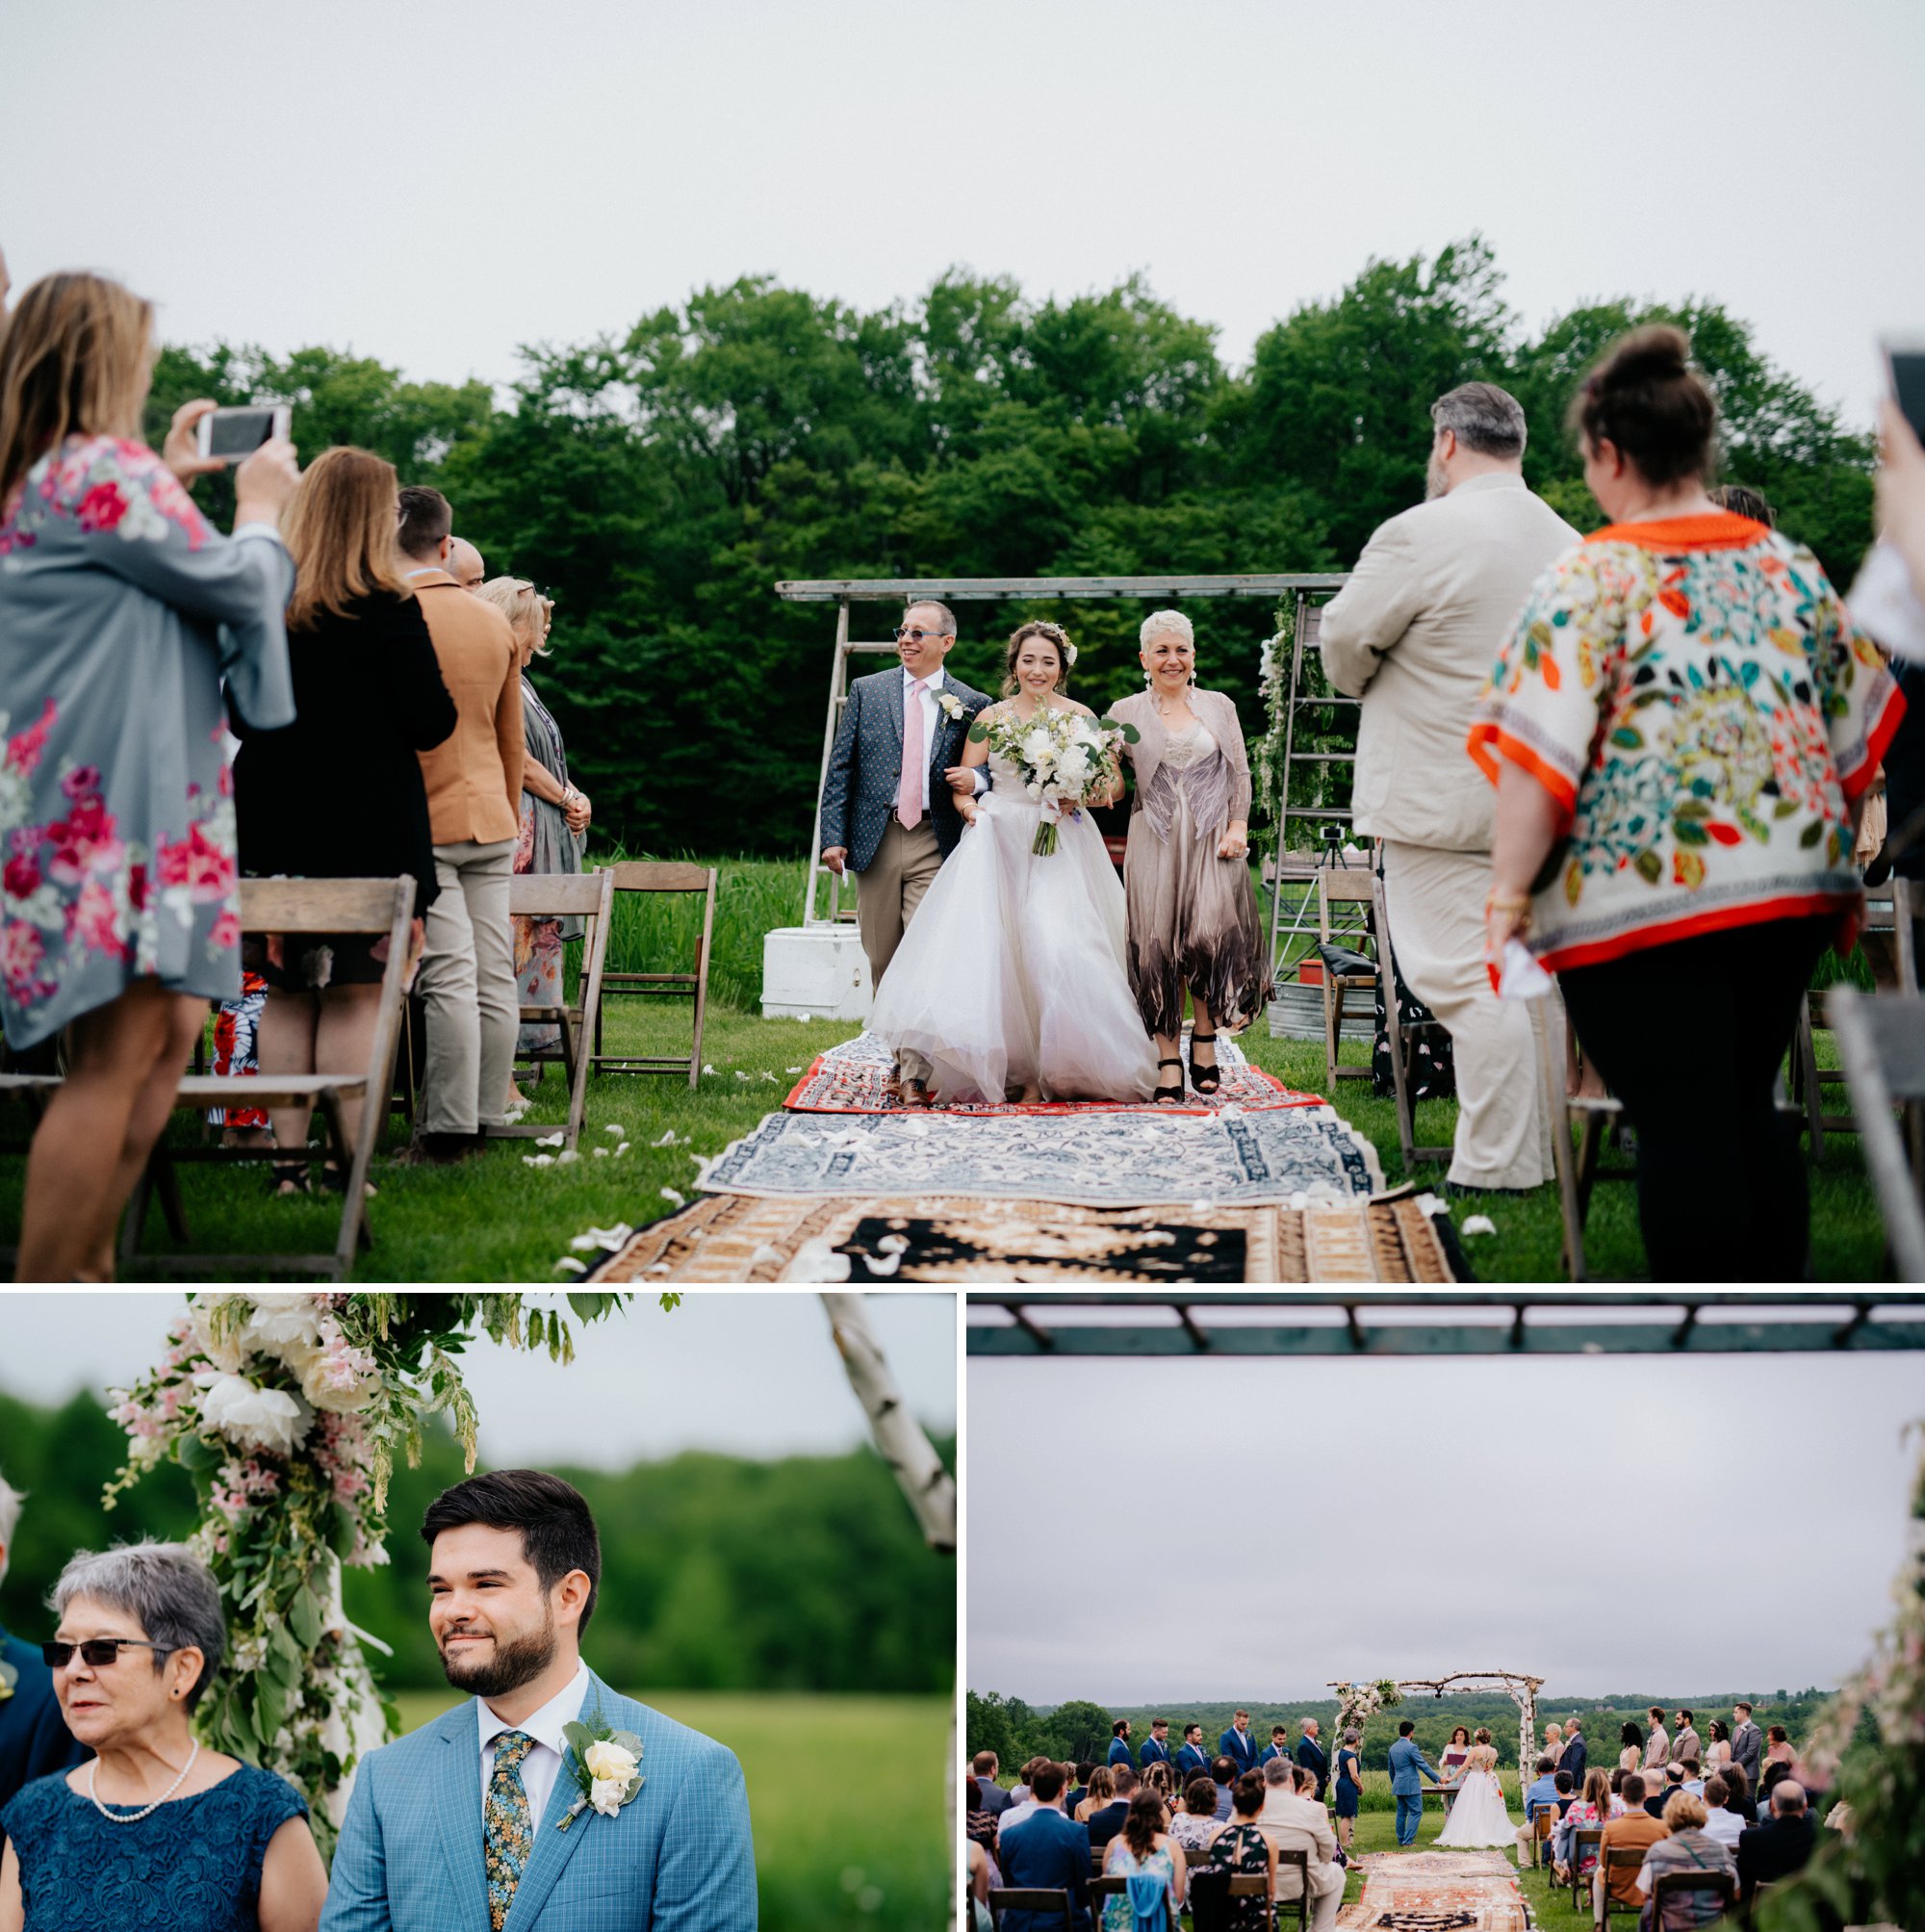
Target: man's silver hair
10, 1500
1483, 417
1160, 621
1279, 1771
164, 1588
947, 627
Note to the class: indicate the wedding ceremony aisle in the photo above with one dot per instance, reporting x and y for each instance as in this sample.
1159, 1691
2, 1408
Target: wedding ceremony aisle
1465, 1891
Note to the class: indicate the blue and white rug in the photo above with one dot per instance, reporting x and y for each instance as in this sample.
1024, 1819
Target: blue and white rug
1284, 1156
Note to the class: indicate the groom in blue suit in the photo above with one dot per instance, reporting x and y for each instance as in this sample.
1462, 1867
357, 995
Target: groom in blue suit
1405, 1762
476, 1822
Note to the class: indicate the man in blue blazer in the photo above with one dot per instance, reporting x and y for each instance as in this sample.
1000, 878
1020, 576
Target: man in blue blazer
1310, 1754
887, 813
1238, 1745
1192, 1759
1156, 1746
1120, 1745
1278, 1746
33, 1737
478, 1821
1046, 1851
1406, 1761
1576, 1754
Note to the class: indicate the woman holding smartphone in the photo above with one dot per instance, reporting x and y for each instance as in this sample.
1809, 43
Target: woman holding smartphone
121, 612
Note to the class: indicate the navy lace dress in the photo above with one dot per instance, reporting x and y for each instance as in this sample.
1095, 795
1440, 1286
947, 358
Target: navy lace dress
193, 1865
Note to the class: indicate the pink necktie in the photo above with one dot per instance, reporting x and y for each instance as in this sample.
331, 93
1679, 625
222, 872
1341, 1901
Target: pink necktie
909, 794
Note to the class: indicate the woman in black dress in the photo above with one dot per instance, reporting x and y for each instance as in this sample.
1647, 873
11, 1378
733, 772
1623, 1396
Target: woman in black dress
338, 794
1243, 1852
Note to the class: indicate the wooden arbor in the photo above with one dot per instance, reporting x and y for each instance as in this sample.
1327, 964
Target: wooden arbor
901, 591
1523, 1690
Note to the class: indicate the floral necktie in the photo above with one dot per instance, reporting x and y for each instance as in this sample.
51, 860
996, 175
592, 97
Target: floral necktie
508, 1829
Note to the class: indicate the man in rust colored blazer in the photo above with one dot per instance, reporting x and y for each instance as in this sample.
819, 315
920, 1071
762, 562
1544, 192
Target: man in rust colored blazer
475, 807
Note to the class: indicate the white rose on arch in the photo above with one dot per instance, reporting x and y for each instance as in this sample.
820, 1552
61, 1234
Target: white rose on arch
254, 1417
284, 1325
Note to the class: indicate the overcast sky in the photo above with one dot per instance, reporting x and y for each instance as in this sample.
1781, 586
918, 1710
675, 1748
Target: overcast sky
1144, 1530
434, 184
752, 1375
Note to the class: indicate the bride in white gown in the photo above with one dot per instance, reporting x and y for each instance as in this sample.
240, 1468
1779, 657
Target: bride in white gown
1011, 978
1478, 1820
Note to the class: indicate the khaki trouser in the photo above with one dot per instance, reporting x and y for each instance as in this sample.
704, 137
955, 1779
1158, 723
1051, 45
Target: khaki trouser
886, 897
467, 987
1436, 905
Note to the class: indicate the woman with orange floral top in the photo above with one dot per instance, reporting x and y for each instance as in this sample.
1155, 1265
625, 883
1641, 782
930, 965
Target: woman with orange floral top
1682, 728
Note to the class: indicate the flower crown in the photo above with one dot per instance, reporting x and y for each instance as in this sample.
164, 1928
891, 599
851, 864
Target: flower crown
1055, 634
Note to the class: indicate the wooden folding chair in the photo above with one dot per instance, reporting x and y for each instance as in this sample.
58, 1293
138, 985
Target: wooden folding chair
588, 896
1340, 886
1299, 1858
1586, 1838
290, 906
1029, 1899
1402, 1038
1669, 1884
1101, 1889
647, 875
1542, 1829
1809, 1080
1881, 1043
1621, 1858
1575, 1168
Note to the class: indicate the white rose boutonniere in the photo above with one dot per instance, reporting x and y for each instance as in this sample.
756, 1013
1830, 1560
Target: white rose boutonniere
8, 1677
605, 1764
952, 706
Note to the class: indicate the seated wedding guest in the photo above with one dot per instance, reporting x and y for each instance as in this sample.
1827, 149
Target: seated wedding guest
364, 675
1245, 1851
1694, 1781
1782, 1844
553, 821
475, 801
1310, 1752
1718, 1751
1720, 1820
1226, 1774
1141, 1852
1098, 1783
1776, 1771
994, 1799
1192, 916
1079, 1787
463, 564
1350, 1785
155, 1833
121, 613
1631, 1757
1106, 1821
1633, 1830
1539, 1796
1196, 1825
1158, 1779
1412, 634
1120, 1745
1293, 1820
982, 1824
1664, 821
984, 1877
1744, 503
1191, 1755
1686, 1846
33, 1738
1046, 1852
1738, 1799
1567, 1794
1589, 1813
1663, 1786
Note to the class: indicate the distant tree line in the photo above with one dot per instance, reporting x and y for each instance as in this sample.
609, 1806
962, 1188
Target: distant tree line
657, 481
804, 1573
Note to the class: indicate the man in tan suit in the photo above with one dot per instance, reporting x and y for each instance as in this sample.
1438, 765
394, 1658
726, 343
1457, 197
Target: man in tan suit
1293, 1820
474, 807
1414, 633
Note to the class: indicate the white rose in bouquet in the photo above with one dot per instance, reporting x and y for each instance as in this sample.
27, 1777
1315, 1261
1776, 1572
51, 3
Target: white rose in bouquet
1040, 747
254, 1417
283, 1323
610, 1762
333, 1377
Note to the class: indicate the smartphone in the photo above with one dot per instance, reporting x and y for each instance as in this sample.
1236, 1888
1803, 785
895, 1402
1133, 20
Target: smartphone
228, 435
1905, 363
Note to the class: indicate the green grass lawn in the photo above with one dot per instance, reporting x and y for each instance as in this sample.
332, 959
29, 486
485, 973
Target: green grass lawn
494, 1219
845, 1797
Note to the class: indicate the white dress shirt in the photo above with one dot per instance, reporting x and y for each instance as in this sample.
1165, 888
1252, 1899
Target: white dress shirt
931, 721
543, 1764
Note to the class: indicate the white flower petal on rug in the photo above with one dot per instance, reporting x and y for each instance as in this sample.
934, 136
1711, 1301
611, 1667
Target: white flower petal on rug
1298, 1203
674, 1199
569, 1264
893, 1244
763, 1254
815, 1261
1480, 1224
884, 1266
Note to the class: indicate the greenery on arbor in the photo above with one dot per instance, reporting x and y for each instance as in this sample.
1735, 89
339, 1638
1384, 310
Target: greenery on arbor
658, 482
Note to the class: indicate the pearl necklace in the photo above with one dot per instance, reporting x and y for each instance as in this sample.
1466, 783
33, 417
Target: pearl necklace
134, 1817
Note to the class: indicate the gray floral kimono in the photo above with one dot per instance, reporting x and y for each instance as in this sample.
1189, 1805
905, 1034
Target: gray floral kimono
121, 612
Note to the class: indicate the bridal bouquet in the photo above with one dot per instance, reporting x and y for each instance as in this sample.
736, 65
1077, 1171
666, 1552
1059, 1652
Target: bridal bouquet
1063, 757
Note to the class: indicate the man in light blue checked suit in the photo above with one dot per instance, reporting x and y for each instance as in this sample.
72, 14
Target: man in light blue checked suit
476, 1822
887, 814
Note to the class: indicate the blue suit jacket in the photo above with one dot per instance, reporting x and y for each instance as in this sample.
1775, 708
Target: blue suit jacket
865, 765
1310, 1752
33, 1738
1192, 1757
1153, 1753
1122, 1754
1271, 1751
1046, 1849
1405, 1762
678, 1859
1239, 1748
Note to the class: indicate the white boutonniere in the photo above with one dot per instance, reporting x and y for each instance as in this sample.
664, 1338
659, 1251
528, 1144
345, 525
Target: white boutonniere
952, 706
8, 1677
605, 1764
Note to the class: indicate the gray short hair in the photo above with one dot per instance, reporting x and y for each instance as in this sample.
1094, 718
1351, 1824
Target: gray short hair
1483, 418
164, 1588
1352, 1735
933, 604
10, 1500
1279, 1771
1166, 620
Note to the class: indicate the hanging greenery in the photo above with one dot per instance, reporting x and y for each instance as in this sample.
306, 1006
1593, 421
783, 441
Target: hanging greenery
1266, 767
289, 1410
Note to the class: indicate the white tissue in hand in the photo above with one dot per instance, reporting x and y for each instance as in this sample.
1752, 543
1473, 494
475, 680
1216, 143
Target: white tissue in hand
1519, 975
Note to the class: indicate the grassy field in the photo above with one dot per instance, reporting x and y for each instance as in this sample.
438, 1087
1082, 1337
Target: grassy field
496, 1218
845, 1795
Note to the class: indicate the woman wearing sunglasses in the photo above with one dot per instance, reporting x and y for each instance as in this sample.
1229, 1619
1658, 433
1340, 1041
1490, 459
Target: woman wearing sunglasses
153, 1833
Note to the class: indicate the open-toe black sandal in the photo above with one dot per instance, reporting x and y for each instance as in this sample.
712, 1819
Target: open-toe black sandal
333, 1179
288, 1173
1205, 1079
1169, 1093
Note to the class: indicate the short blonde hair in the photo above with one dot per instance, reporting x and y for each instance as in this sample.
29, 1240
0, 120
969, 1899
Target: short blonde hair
1682, 1810
1159, 621
522, 606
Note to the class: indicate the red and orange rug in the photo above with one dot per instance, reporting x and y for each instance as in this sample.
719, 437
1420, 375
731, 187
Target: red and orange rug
1437, 1891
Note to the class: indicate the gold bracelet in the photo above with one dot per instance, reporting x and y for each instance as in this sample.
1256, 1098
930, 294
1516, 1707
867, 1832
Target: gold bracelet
1510, 902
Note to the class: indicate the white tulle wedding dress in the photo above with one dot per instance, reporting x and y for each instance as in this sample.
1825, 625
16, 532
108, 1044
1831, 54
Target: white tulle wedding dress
1014, 971
1478, 1820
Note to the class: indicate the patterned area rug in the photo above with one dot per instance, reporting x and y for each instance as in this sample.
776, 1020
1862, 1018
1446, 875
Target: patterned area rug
775, 1238
1437, 1891
1091, 1158
854, 1077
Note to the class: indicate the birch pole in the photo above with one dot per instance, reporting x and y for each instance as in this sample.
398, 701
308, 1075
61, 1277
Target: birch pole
902, 1443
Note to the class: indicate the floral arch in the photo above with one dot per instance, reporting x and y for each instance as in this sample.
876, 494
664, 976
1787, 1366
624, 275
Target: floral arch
1358, 1703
